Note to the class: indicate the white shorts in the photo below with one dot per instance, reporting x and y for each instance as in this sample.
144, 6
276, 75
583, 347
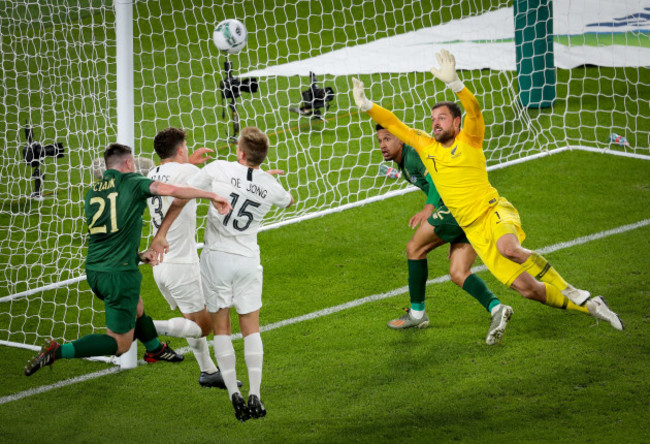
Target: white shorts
180, 284
231, 280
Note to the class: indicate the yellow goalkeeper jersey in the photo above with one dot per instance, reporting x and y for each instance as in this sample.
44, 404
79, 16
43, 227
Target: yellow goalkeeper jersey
459, 172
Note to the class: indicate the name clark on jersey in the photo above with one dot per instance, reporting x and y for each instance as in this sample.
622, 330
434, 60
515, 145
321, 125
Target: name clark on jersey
252, 188
104, 185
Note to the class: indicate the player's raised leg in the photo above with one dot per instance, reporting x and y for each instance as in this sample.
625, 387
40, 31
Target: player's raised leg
537, 266
194, 327
549, 295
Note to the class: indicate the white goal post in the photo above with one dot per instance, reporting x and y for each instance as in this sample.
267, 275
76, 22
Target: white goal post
78, 75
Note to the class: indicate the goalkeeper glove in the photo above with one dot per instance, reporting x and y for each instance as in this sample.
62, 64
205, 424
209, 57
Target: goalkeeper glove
447, 71
359, 96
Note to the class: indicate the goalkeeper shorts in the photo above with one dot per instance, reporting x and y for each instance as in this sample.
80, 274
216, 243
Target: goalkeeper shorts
484, 233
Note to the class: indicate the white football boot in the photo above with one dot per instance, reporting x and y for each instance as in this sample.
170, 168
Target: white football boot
599, 309
500, 317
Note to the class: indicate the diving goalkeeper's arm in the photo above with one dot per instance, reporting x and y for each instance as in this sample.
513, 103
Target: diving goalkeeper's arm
387, 119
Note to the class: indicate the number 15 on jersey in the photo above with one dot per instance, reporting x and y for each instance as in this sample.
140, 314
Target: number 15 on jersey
244, 218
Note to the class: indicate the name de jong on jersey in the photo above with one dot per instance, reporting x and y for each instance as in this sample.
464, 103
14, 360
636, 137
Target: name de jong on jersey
252, 192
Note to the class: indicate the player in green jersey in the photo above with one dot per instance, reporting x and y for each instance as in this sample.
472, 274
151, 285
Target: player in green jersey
435, 227
114, 208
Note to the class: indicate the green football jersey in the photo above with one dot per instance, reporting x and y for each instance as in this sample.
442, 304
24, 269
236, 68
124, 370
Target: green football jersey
414, 171
114, 208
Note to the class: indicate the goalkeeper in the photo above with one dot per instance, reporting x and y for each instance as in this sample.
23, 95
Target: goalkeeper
437, 227
454, 158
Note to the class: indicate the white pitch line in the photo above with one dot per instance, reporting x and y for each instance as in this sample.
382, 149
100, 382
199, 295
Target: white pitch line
64, 383
341, 307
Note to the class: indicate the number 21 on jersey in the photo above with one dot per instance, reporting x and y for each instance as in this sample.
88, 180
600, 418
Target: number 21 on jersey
112, 201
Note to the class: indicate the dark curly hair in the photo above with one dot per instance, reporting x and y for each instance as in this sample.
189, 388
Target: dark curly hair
167, 141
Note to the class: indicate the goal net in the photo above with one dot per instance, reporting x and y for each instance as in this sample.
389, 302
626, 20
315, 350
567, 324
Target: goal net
59, 83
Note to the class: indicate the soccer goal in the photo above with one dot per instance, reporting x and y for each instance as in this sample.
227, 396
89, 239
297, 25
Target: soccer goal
78, 75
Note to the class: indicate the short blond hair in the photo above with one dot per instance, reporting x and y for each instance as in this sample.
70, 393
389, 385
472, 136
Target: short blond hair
255, 144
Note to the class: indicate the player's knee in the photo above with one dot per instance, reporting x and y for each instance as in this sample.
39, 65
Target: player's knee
458, 275
415, 251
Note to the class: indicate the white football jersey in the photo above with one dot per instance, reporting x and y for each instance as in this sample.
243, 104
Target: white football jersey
182, 234
251, 192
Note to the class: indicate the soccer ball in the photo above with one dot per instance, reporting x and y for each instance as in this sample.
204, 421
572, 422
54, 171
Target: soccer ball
230, 36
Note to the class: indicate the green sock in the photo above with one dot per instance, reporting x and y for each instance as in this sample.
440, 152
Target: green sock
418, 274
89, 345
493, 304
146, 333
66, 351
476, 287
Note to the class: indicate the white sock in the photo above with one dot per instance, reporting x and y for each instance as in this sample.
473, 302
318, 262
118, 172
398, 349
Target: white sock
202, 354
417, 314
178, 328
254, 356
225, 354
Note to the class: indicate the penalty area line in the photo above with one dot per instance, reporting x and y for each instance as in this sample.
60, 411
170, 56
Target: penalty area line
335, 309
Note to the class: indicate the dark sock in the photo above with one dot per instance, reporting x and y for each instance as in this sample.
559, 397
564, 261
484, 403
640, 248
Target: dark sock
476, 287
86, 346
418, 274
146, 333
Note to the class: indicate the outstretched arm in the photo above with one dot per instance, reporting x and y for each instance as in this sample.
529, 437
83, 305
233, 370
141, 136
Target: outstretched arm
474, 125
417, 139
185, 192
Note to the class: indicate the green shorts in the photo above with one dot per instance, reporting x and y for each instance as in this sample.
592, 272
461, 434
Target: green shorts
446, 227
120, 292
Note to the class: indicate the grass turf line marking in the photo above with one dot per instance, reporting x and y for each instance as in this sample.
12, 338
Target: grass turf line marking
327, 311
47, 388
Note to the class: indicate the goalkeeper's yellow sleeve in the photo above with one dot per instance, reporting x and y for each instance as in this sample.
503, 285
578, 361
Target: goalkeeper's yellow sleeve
415, 138
473, 130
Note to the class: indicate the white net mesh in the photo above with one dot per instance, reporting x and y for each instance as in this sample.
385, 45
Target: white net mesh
58, 77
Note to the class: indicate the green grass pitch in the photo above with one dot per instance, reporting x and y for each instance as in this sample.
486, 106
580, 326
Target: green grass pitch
345, 377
